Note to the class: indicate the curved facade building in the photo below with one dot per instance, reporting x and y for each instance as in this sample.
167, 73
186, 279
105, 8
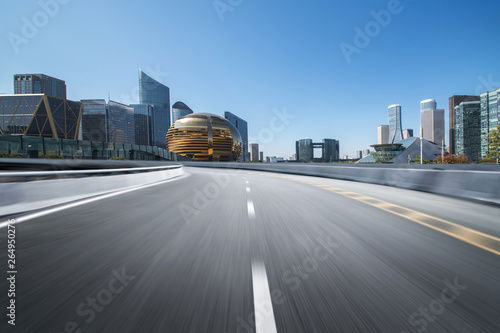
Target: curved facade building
179, 110
395, 128
156, 94
206, 137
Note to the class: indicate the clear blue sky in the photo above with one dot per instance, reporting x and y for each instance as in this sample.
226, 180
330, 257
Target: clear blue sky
265, 56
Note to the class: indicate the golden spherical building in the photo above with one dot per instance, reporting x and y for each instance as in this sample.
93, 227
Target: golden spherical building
206, 137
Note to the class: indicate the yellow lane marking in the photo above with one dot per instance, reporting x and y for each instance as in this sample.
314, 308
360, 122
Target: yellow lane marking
468, 235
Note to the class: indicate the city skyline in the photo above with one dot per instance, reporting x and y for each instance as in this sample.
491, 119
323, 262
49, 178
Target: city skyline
261, 72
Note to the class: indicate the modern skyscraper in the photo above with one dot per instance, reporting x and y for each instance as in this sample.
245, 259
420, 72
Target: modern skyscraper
383, 134
262, 156
407, 133
94, 120
490, 112
242, 126
254, 152
143, 122
359, 154
330, 150
395, 128
305, 150
39, 84
427, 105
366, 152
121, 127
433, 126
432, 121
179, 110
453, 102
154, 93
107, 122
468, 130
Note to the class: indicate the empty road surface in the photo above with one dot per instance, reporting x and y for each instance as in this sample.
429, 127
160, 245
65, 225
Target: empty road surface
241, 251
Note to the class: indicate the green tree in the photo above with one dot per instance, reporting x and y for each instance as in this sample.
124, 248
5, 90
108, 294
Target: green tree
494, 143
417, 159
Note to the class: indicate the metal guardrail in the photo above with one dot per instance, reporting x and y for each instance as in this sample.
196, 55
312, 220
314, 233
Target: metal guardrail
36, 175
480, 183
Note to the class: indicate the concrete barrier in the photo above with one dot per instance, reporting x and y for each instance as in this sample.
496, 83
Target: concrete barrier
472, 182
18, 197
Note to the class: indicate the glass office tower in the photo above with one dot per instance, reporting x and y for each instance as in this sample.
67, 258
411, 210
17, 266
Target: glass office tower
39, 84
489, 117
121, 127
453, 102
154, 93
179, 110
395, 128
107, 122
94, 120
468, 130
143, 115
330, 150
305, 152
242, 127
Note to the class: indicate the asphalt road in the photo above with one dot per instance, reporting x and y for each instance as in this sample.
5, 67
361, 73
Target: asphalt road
242, 251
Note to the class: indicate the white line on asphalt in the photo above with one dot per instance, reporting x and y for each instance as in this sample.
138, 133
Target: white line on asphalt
263, 305
28, 217
251, 209
248, 189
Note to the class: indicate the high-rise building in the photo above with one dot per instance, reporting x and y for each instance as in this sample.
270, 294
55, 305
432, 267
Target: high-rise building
366, 152
121, 127
242, 126
490, 112
154, 93
143, 122
432, 121
179, 110
94, 120
254, 152
304, 150
395, 128
383, 134
427, 105
453, 102
39, 84
330, 150
468, 130
433, 126
261, 156
407, 133
107, 122
359, 154
346, 157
